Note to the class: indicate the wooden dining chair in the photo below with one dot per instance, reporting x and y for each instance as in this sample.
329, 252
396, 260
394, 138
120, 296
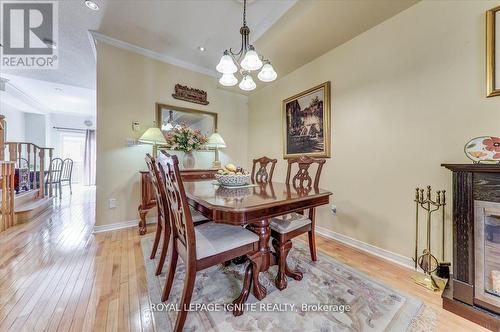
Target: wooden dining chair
163, 224
67, 173
199, 247
53, 178
262, 175
289, 226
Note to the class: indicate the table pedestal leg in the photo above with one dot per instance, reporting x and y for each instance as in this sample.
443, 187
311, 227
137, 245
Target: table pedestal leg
264, 232
260, 261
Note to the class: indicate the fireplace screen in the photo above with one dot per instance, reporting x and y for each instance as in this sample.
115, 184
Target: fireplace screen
487, 254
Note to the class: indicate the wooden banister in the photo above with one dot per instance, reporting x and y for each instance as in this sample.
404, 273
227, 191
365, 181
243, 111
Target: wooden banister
7, 185
36, 157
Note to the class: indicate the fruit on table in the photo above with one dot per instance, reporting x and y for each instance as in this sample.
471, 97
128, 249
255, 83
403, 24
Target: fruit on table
231, 169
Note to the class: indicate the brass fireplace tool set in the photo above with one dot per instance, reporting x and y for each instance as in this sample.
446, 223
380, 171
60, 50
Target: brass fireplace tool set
427, 261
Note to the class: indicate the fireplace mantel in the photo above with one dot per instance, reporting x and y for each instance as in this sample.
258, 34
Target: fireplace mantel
482, 168
472, 184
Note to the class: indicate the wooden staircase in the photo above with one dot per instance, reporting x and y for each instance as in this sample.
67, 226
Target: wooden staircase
28, 206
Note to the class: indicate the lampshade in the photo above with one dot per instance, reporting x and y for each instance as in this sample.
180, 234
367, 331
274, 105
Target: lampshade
247, 83
153, 136
251, 61
226, 65
228, 80
267, 73
216, 141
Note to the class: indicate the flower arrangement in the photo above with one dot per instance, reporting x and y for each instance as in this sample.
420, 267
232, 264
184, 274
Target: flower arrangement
183, 138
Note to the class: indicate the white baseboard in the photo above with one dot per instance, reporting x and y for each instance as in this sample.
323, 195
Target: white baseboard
121, 225
371, 249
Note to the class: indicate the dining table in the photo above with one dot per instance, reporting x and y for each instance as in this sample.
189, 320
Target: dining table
253, 206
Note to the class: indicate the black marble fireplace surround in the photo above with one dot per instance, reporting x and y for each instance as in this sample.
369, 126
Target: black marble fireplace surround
476, 188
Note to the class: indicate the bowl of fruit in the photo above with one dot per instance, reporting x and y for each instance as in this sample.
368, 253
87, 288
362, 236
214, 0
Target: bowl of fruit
232, 176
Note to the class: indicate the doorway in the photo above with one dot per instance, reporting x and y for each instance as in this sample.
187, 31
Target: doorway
72, 145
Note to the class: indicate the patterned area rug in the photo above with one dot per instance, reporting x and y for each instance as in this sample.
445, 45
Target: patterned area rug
330, 297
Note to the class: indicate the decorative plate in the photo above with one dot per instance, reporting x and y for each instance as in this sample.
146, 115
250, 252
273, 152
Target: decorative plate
484, 149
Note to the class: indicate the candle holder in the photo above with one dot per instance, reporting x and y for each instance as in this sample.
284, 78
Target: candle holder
427, 261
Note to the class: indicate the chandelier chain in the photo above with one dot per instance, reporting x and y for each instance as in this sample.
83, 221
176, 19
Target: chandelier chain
244, 13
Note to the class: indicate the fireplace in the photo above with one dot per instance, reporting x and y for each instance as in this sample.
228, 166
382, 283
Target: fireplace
473, 290
487, 254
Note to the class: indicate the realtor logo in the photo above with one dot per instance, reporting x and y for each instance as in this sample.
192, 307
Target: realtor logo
29, 34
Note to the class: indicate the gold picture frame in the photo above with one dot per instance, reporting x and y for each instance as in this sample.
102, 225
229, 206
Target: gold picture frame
307, 134
492, 88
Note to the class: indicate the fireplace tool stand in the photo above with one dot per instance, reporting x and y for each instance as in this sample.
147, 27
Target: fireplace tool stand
427, 261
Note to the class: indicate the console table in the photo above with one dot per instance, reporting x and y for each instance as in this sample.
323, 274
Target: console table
148, 197
473, 290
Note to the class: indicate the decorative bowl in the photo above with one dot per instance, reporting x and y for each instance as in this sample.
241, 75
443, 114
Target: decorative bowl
233, 180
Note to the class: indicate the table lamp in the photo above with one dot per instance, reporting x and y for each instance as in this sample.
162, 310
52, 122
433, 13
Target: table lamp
155, 137
216, 141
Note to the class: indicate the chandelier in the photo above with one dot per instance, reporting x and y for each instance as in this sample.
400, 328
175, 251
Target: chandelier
245, 61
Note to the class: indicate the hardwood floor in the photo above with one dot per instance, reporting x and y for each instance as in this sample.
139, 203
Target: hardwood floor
56, 275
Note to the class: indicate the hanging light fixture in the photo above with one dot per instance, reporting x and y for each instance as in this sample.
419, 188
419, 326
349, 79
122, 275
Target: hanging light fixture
247, 83
244, 62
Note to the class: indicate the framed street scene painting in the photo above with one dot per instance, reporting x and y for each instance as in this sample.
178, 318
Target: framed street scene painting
306, 123
493, 52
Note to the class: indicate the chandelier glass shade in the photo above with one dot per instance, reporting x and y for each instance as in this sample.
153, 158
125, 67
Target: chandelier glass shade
247, 83
228, 80
267, 74
244, 62
226, 65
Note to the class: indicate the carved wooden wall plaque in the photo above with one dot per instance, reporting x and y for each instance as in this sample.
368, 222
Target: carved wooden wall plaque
192, 95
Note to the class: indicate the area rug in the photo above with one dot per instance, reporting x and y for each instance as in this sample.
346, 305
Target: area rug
330, 297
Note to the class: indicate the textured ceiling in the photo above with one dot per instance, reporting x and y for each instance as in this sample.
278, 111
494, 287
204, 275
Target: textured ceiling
311, 28
288, 32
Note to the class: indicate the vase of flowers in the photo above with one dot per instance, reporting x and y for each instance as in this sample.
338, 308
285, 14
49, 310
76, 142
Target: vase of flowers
183, 138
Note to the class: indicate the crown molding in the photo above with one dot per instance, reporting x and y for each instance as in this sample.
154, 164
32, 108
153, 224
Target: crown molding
96, 36
35, 105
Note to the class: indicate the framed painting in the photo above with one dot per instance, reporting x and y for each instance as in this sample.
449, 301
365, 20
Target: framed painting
306, 123
492, 53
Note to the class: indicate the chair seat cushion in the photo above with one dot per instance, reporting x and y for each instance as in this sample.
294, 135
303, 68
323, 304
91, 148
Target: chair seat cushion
289, 222
213, 239
197, 216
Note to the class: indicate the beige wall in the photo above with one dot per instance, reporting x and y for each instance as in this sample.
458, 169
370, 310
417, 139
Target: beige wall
128, 86
406, 96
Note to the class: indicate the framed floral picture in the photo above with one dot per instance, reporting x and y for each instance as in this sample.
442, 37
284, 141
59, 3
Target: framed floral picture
306, 123
493, 52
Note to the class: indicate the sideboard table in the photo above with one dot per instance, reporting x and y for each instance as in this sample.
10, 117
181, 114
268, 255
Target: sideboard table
148, 197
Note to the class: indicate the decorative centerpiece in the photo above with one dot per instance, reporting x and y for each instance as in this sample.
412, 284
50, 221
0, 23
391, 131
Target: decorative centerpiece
183, 138
232, 176
484, 149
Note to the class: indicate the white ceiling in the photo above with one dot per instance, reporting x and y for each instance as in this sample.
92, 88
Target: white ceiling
175, 29
36, 96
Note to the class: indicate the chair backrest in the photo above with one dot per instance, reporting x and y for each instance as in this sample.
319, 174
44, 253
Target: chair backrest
262, 175
159, 187
55, 169
180, 215
67, 169
302, 179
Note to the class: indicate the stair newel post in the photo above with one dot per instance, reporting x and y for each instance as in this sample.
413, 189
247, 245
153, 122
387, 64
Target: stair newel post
10, 192
28, 158
41, 192
3, 223
50, 172
35, 174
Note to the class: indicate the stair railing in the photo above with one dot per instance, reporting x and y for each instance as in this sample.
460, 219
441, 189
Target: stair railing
38, 160
7, 186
